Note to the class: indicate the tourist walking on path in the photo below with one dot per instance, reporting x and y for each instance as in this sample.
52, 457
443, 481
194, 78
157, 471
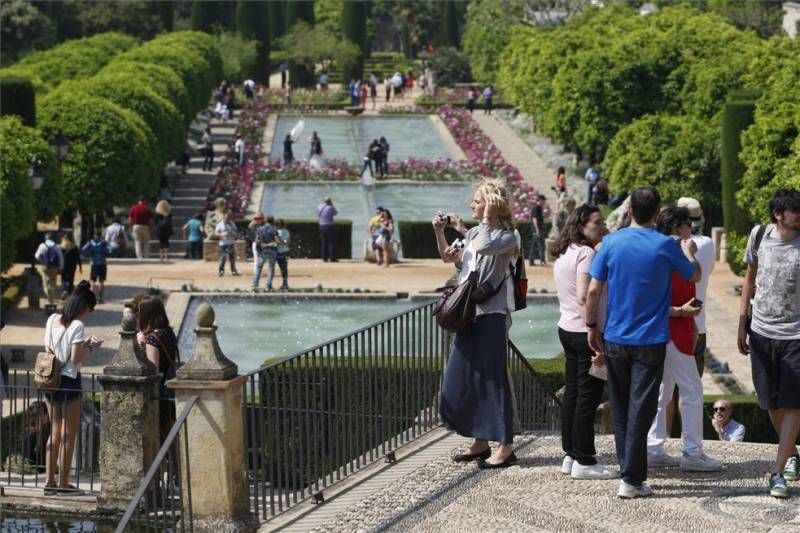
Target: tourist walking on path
327, 230
116, 238
635, 264
163, 226
723, 423
160, 345
51, 262
387, 88
141, 218
315, 148
679, 366
561, 181
283, 67
65, 336
477, 399
288, 94
72, 262
373, 89
288, 154
283, 240
383, 161
537, 250
266, 249
488, 95
772, 337
472, 95
194, 234
208, 150
98, 252
226, 233
591, 177
239, 148
582, 391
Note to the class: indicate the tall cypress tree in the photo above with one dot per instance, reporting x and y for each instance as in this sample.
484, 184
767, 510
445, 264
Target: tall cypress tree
252, 23
448, 33
299, 75
277, 19
354, 29
165, 11
204, 15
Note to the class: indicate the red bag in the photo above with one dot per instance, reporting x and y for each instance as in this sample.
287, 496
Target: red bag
520, 284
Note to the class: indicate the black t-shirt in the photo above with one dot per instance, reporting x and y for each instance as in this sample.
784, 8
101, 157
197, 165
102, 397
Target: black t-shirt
538, 214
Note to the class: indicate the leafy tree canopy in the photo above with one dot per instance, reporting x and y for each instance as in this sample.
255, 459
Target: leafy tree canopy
308, 46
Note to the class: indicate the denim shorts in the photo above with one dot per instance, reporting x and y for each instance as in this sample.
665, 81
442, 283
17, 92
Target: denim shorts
776, 371
70, 389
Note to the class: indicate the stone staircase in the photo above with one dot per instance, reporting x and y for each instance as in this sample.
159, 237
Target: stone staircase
191, 189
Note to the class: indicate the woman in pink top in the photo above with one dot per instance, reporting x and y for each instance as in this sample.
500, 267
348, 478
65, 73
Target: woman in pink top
575, 249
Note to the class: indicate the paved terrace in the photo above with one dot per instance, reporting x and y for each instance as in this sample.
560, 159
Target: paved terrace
427, 492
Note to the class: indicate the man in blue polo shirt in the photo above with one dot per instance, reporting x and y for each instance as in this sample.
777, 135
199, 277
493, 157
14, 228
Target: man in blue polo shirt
636, 264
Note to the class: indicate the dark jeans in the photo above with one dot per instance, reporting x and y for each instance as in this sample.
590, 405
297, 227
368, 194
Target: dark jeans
367, 165
327, 236
67, 281
195, 249
283, 264
634, 377
268, 256
227, 251
208, 159
537, 248
582, 395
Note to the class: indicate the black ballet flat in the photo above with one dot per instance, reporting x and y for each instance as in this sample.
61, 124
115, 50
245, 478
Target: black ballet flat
467, 457
508, 461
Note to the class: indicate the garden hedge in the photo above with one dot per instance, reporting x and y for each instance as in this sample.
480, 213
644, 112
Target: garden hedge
305, 239
252, 24
17, 98
736, 117
418, 241
75, 59
21, 205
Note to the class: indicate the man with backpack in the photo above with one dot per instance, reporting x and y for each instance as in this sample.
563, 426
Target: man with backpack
97, 250
51, 262
770, 334
116, 238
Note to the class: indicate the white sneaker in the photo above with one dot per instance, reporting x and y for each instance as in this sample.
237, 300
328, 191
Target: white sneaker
566, 465
596, 471
700, 463
662, 460
628, 491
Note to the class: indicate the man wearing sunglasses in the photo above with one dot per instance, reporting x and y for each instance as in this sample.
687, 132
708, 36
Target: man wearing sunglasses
726, 427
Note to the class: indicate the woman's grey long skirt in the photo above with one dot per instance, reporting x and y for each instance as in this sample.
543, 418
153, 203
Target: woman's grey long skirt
477, 399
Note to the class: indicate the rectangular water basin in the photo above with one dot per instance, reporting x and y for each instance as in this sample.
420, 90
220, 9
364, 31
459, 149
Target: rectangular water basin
356, 202
349, 137
251, 330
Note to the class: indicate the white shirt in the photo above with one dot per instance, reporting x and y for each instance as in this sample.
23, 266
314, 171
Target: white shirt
41, 253
226, 232
239, 146
75, 335
733, 432
707, 257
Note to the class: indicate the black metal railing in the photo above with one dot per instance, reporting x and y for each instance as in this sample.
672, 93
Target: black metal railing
317, 417
163, 501
26, 426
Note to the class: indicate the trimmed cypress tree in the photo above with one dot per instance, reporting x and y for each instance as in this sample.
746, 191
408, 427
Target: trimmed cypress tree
737, 115
166, 12
205, 15
354, 29
17, 98
299, 75
448, 33
252, 23
276, 14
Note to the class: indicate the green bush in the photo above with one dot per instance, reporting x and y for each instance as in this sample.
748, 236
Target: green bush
450, 66
550, 370
76, 59
239, 55
21, 205
17, 98
111, 148
305, 238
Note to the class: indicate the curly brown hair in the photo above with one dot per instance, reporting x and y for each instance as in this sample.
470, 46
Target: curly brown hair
573, 228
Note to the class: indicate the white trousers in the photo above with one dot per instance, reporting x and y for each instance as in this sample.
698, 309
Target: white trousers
679, 369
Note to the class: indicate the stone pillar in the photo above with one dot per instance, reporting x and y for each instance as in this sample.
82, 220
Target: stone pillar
129, 421
220, 498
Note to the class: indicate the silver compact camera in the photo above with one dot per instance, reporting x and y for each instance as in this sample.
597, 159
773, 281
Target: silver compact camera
445, 219
458, 244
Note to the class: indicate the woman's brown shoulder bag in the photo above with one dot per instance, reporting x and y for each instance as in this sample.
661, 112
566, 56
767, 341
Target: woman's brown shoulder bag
47, 369
455, 309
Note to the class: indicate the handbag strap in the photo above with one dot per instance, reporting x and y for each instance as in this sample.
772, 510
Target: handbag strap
50, 348
172, 360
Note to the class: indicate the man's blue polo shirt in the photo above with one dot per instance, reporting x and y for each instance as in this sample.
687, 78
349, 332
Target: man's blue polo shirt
637, 263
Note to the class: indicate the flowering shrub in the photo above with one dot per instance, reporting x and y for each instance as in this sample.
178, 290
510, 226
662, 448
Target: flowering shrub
233, 182
487, 159
277, 97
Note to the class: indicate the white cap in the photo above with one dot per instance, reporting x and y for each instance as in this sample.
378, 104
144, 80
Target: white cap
695, 211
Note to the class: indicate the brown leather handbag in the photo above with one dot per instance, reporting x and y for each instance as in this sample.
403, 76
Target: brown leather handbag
455, 309
47, 368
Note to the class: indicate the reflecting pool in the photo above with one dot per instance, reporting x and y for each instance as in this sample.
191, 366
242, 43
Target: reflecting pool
406, 201
349, 137
252, 330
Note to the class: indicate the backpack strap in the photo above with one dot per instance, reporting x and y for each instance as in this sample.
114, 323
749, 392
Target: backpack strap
762, 228
50, 348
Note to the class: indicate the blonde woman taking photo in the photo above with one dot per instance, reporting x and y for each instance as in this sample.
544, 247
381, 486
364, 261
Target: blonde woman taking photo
477, 399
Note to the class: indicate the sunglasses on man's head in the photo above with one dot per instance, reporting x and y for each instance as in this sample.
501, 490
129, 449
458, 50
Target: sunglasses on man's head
719, 409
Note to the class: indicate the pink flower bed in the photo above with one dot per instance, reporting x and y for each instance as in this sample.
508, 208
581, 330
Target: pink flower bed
487, 158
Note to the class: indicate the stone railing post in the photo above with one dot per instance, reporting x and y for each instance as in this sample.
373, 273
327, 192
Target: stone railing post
220, 497
129, 420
